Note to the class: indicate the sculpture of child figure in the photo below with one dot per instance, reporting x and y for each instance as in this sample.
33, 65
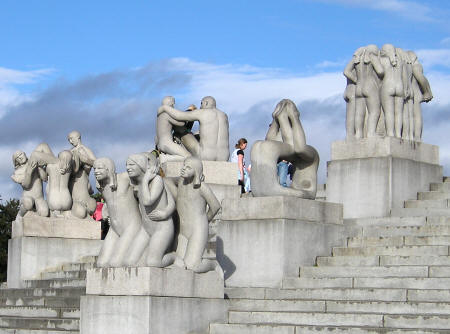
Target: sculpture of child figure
192, 197
156, 205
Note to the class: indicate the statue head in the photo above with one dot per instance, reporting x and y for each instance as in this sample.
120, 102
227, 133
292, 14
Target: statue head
105, 173
74, 138
402, 55
19, 158
168, 101
370, 49
65, 162
137, 164
358, 54
208, 102
193, 170
388, 50
412, 56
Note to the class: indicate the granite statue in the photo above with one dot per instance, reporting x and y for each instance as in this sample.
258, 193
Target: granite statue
213, 128
30, 177
285, 140
156, 206
196, 206
123, 214
79, 186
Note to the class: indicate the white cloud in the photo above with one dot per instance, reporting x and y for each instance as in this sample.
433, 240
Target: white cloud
412, 10
434, 57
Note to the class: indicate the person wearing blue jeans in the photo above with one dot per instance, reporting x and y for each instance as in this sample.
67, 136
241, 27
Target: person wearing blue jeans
282, 170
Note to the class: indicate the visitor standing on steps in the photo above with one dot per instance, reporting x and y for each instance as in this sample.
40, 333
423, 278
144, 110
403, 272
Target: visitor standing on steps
238, 156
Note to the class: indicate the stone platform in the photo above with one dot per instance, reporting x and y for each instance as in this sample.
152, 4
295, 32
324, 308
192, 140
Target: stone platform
373, 175
261, 240
40, 243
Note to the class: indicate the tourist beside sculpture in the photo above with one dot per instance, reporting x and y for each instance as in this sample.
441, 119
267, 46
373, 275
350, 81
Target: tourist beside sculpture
388, 82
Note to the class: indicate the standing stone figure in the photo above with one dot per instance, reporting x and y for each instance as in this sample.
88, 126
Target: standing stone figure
156, 205
393, 90
349, 95
192, 199
83, 203
213, 144
30, 177
123, 212
285, 140
408, 108
164, 129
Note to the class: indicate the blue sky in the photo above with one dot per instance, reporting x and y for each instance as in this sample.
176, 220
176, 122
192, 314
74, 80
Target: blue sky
102, 67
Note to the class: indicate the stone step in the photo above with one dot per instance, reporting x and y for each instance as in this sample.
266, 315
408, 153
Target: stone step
40, 323
77, 266
73, 274
381, 271
401, 283
41, 301
428, 241
445, 187
438, 220
35, 331
388, 221
315, 283
290, 329
88, 259
433, 195
390, 250
430, 295
39, 312
417, 321
43, 292
375, 241
352, 261
274, 305
429, 203
416, 260
55, 283
305, 318
343, 294
393, 231
423, 212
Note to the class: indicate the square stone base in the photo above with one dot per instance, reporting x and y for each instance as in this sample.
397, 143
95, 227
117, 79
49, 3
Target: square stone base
150, 314
219, 172
262, 240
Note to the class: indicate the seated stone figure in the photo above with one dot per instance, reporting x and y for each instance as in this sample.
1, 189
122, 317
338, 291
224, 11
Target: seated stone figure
192, 198
285, 140
213, 144
156, 206
123, 214
30, 177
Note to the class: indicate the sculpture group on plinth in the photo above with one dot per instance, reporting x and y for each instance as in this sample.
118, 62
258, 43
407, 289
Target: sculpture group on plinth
385, 88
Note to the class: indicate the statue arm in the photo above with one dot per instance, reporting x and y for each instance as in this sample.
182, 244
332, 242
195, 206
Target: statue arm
211, 200
175, 122
180, 115
273, 130
377, 66
151, 194
164, 214
349, 73
422, 80
171, 184
42, 174
28, 179
86, 156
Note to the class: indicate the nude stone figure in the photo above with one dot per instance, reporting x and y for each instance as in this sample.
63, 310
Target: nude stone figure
421, 92
192, 198
124, 216
408, 108
285, 140
30, 177
367, 71
79, 186
156, 206
393, 90
349, 95
164, 128
213, 144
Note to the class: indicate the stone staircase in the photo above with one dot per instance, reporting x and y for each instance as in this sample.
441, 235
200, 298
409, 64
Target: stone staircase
392, 277
50, 305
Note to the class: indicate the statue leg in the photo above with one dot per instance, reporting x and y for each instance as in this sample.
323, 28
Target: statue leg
79, 210
350, 118
191, 143
388, 107
360, 111
374, 110
405, 123
411, 118
108, 248
398, 110
418, 122
41, 207
137, 248
159, 243
196, 244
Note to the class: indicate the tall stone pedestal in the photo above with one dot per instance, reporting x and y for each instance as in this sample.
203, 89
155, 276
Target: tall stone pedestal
151, 300
39, 244
373, 175
262, 240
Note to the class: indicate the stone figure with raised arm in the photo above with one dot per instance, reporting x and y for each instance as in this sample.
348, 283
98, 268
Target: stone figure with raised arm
213, 144
156, 206
393, 90
80, 188
421, 93
59, 170
285, 140
367, 71
30, 177
164, 131
118, 249
193, 197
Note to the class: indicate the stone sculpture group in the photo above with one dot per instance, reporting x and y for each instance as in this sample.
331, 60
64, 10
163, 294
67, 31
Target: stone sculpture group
385, 82
142, 205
